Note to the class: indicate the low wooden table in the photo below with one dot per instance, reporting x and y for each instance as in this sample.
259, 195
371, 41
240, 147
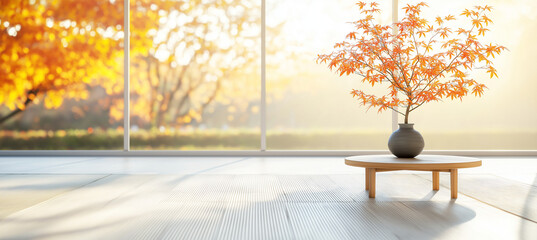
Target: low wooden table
434, 163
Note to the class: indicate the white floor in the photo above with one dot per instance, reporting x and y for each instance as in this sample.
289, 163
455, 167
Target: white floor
258, 198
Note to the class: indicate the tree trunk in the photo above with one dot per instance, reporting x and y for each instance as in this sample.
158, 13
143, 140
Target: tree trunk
10, 115
160, 117
406, 114
18, 110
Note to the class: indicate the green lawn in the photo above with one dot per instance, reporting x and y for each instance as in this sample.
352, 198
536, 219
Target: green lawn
250, 140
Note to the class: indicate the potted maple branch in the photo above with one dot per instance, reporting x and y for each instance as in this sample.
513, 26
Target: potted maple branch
418, 62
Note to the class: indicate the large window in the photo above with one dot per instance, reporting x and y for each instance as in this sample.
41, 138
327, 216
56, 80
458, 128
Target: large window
196, 78
308, 106
61, 74
195, 74
504, 117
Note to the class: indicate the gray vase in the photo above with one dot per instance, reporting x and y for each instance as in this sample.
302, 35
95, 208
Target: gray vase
406, 142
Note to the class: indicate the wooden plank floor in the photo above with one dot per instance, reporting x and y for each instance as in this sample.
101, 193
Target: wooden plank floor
184, 199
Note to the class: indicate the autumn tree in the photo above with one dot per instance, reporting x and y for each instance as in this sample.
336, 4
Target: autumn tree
424, 61
52, 54
191, 54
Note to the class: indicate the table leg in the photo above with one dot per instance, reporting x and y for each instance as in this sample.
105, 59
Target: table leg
436, 180
372, 175
367, 178
454, 182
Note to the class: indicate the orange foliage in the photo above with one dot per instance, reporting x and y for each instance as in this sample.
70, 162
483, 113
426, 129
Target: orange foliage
425, 61
49, 53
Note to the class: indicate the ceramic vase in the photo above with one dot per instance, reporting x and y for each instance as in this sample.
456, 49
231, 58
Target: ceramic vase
406, 142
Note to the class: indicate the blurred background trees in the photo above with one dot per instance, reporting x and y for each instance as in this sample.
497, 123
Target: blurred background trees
187, 58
